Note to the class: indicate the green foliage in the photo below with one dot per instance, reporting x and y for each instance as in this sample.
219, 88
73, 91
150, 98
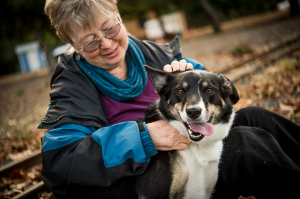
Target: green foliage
19, 91
241, 49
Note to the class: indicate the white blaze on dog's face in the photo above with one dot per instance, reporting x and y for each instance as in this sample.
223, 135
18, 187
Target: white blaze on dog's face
200, 96
195, 101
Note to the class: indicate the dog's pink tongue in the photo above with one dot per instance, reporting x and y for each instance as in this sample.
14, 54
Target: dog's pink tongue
203, 128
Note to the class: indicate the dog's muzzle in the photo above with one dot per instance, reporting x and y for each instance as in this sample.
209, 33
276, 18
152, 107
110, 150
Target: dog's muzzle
197, 131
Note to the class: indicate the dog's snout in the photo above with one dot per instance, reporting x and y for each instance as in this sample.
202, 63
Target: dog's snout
193, 112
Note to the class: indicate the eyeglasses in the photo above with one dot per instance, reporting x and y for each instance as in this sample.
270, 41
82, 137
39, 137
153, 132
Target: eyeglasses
110, 33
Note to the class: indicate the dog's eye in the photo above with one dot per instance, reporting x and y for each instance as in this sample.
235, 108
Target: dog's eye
180, 91
209, 90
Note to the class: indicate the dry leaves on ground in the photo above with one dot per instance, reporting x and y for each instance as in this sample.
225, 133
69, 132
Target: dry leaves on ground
250, 197
276, 89
13, 149
19, 181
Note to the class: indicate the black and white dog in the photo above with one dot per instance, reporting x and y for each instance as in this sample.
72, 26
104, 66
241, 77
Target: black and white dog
199, 105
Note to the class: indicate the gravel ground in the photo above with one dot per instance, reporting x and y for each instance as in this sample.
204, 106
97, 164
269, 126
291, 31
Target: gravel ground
214, 51
23, 105
24, 102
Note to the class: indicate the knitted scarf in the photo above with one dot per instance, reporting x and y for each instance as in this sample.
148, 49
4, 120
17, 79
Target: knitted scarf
114, 87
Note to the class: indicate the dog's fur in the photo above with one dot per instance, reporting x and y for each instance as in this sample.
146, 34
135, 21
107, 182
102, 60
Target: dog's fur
194, 170
185, 98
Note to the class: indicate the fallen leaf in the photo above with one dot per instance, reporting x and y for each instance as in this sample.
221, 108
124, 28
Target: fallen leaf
286, 110
250, 197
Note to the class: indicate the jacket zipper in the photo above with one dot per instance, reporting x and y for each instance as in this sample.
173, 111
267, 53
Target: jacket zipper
72, 115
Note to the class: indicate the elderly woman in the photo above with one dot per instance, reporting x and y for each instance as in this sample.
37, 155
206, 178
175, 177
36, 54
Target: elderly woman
100, 88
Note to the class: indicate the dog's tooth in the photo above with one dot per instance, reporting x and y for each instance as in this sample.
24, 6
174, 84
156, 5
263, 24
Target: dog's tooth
190, 133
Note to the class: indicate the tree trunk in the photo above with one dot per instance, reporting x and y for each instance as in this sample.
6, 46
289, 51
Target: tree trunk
51, 61
294, 7
212, 14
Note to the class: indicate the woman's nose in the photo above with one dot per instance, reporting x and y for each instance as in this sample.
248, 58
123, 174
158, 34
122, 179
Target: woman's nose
105, 43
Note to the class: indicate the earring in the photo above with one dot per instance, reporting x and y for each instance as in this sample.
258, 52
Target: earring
79, 57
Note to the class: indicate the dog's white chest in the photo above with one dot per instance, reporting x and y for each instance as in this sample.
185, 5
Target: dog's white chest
197, 170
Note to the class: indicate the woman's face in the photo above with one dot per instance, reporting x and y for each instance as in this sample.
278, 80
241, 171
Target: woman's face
111, 53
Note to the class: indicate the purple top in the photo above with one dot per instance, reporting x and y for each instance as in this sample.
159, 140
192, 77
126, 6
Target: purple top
130, 110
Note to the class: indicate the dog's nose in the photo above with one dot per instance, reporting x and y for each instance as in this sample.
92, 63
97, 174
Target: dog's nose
193, 112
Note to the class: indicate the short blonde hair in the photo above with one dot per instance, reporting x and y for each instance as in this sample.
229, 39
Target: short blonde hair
64, 13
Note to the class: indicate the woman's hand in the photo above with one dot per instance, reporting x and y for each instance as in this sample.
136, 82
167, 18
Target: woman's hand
165, 137
178, 66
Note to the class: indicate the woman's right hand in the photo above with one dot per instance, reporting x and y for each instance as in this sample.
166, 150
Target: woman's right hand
165, 137
181, 65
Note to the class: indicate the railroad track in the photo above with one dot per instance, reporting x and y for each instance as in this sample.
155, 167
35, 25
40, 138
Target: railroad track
26, 188
234, 72
238, 71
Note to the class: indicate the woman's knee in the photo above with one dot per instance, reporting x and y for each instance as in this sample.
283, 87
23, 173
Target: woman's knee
251, 110
251, 115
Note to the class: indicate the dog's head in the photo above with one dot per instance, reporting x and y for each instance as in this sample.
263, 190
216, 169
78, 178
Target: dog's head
197, 99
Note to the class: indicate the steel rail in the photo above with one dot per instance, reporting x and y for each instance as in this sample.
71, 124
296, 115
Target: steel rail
226, 69
251, 66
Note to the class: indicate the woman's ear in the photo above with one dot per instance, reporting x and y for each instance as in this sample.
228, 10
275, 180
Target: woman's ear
78, 56
77, 49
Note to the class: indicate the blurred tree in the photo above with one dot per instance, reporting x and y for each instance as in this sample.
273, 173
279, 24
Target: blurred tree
294, 7
194, 12
23, 21
212, 14
143, 7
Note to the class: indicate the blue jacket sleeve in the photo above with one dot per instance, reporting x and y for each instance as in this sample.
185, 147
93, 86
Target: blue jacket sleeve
74, 155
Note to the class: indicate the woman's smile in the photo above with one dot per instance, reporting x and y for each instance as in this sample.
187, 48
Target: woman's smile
113, 53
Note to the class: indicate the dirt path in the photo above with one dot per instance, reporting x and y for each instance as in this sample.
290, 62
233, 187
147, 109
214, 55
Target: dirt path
23, 104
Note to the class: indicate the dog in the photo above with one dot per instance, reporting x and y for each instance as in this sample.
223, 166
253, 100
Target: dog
199, 104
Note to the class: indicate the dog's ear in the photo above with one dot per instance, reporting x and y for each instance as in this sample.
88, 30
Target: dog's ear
228, 89
158, 77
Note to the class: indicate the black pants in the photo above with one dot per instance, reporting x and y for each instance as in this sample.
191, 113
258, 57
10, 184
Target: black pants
261, 157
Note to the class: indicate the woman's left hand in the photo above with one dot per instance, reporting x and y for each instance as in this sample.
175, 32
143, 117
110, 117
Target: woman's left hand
178, 66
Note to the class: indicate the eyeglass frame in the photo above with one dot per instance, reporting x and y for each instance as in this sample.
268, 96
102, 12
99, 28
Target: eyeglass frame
99, 39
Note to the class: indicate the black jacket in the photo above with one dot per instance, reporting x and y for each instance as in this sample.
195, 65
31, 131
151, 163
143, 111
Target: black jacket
74, 98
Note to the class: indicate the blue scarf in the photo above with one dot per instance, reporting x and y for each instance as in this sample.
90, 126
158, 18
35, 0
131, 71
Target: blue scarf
114, 87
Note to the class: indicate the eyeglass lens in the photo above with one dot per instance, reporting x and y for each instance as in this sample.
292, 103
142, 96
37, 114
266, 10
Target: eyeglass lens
109, 34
